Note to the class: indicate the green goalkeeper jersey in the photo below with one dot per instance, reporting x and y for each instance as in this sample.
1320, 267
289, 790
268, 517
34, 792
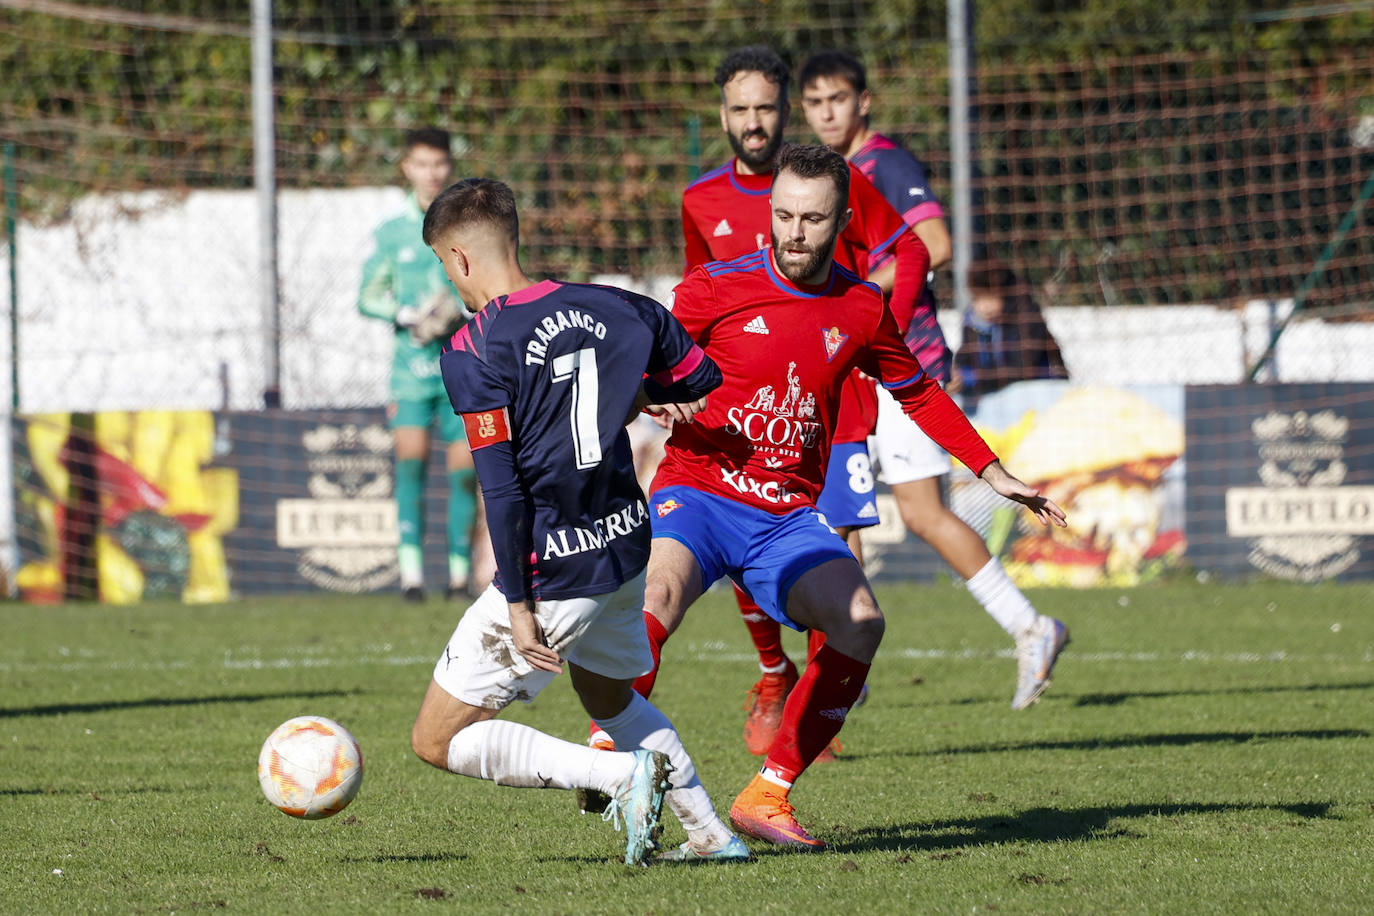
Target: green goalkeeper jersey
402, 273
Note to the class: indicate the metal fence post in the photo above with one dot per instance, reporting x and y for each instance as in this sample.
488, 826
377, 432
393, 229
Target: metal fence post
265, 181
959, 16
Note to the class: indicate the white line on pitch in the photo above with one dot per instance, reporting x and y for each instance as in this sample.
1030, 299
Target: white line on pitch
713, 652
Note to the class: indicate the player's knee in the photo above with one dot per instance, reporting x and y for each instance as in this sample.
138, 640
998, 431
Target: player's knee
918, 520
604, 700
867, 623
660, 600
868, 632
857, 637
429, 746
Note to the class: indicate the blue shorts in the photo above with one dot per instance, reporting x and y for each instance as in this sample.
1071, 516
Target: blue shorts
847, 499
765, 554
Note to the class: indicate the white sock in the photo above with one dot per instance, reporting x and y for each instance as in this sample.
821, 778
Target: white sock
771, 775
1000, 597
641, 724
511, 754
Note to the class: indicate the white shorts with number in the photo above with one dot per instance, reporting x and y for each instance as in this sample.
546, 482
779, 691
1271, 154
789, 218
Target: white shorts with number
604, 634
901, 451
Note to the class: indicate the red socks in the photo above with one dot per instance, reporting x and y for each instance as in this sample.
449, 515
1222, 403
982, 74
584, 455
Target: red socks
815, 711
644, 684
765, 631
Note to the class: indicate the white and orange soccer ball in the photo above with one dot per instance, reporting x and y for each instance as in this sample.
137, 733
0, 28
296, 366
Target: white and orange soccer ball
310, 767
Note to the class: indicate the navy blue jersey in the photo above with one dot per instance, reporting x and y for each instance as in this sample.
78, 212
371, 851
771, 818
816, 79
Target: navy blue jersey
901, 178
546, 379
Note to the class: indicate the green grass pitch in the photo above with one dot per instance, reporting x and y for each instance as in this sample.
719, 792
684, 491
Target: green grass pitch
1203, 749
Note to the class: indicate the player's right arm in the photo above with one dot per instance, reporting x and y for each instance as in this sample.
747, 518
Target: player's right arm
483, 399
922, 398
376, 297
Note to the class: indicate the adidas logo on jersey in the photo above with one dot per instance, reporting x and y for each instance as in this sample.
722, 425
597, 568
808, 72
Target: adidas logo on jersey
869, 510
723, 228
756, 326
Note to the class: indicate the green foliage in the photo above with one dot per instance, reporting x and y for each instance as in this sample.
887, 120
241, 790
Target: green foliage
1099, 118
1203, 749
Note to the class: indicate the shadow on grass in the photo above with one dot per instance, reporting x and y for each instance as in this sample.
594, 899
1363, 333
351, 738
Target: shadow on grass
1116, 699
1046, 825
96, 794
58, 709
1180, 739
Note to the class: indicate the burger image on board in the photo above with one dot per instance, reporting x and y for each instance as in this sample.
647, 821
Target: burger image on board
1100, 453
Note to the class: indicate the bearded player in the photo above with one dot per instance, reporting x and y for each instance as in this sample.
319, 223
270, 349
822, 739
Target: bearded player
725, 214
736, 492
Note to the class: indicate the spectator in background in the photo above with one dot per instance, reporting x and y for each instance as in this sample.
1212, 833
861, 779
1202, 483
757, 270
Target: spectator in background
404, 285
1005, 336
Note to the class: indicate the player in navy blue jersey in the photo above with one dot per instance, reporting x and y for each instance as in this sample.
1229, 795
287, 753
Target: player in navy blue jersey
545, 377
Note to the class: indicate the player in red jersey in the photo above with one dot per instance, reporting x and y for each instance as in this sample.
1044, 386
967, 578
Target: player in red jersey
735, 494
836, 102
725, 214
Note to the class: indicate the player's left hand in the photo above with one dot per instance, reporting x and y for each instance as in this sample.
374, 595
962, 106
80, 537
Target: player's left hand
1046, 510
528, 635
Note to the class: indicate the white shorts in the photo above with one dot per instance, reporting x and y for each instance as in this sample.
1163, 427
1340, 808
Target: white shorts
604, 634
900, 450
645, 432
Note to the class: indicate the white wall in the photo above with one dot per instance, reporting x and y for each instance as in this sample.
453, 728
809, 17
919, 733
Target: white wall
150, 300
138, 300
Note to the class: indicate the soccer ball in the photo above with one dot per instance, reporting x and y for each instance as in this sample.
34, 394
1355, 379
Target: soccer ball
310, 767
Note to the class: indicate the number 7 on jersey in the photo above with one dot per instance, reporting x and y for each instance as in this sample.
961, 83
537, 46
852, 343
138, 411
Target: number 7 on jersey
579, 367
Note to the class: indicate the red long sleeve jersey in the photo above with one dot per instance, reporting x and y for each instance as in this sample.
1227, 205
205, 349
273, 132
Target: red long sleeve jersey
725, 214
784, 353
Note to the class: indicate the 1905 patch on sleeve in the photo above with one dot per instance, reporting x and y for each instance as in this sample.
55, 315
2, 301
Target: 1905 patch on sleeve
487, 427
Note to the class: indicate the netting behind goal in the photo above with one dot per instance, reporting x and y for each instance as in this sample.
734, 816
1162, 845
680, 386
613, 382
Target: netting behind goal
1183, 200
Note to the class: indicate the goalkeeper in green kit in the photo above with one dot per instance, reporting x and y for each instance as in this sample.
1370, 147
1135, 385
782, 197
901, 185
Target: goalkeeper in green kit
403, 283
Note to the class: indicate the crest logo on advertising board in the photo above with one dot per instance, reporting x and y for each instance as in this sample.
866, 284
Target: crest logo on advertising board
346, 532
1303, 524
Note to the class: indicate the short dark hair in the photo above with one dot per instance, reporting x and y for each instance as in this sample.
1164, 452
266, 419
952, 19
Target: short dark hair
469, 202
833, 64
754, 59
429, 136
806, 161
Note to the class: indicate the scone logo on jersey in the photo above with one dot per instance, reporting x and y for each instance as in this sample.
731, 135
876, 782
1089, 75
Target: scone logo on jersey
780, 421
